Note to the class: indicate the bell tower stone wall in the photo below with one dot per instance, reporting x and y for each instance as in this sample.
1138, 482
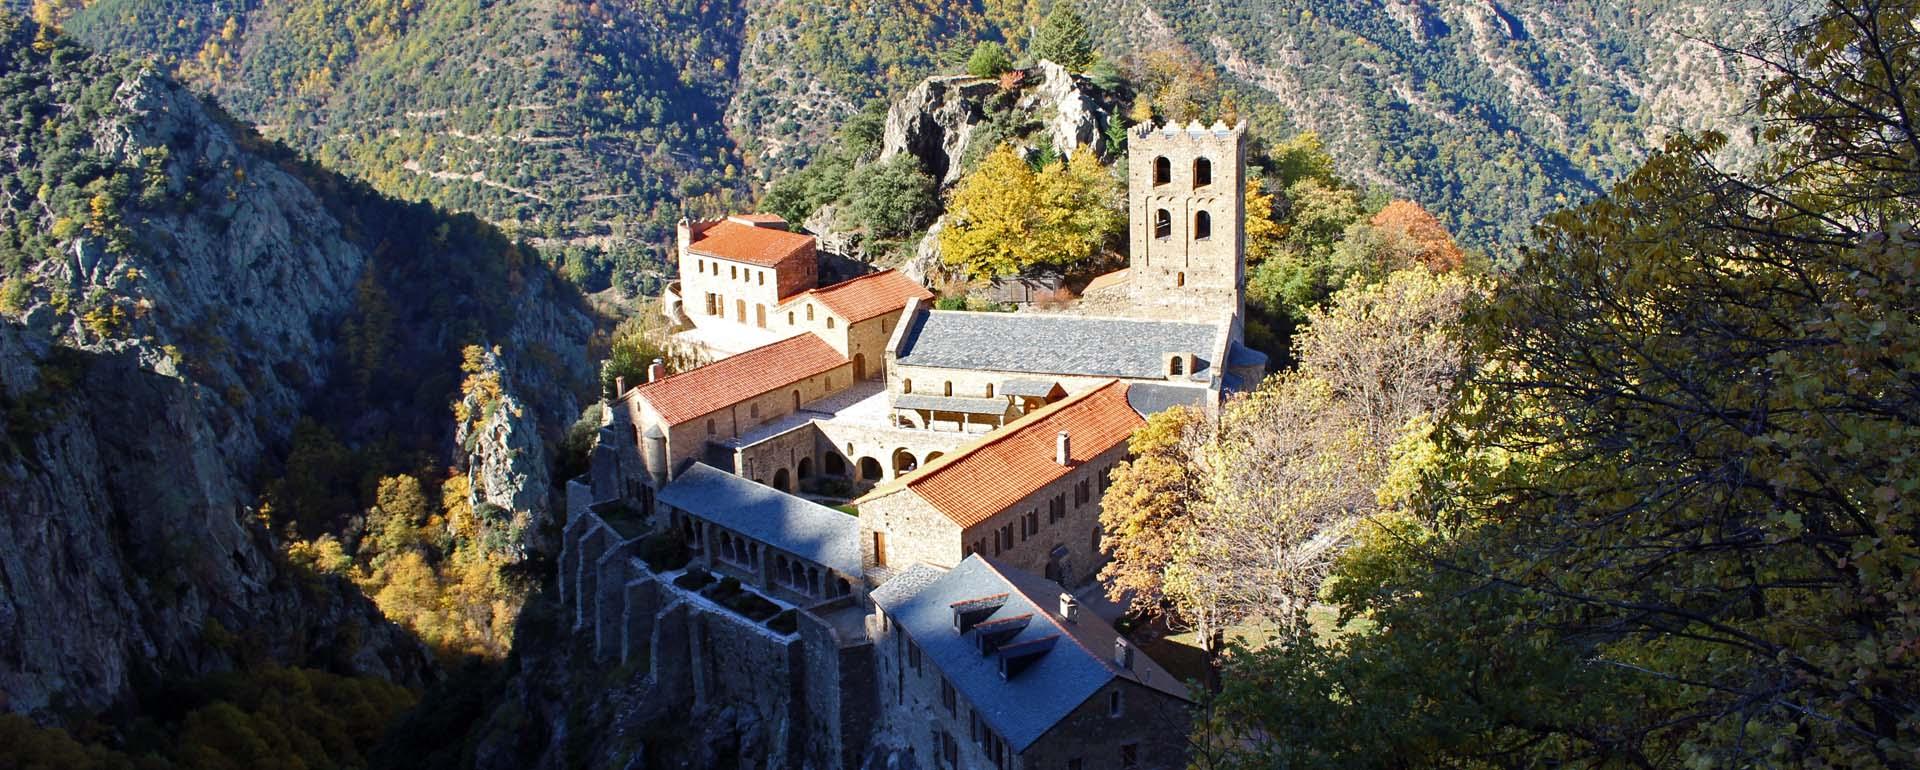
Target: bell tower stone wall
1186, 209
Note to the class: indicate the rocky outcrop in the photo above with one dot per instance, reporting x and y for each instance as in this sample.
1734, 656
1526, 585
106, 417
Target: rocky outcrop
938, 120
507, 466
153, 372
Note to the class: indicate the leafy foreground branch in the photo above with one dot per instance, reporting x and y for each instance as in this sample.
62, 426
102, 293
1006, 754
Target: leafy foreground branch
1671, 521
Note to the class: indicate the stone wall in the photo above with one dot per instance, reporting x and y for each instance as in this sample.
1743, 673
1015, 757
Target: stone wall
801, 700
1160, 721
913, 532
1077, 529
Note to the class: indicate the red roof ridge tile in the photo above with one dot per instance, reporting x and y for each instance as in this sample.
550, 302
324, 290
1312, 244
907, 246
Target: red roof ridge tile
741, 242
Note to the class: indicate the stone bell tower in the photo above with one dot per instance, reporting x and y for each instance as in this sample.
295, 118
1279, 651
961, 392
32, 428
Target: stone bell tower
1186, 210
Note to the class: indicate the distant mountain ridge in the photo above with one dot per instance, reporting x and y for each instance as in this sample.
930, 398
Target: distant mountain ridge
599, 123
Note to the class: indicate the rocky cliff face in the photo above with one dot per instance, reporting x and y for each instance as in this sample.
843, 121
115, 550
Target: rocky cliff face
157, 348
937, 121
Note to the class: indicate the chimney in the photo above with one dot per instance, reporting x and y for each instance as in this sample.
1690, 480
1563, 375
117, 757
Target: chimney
1123, 653
619, 387
1069, 607
1061, 450
656, 370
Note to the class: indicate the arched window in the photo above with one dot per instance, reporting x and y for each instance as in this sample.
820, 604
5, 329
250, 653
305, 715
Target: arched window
829, 322
1180, 279
906, 386
1176, 366
809, 312
790, 319
1202, 172
710, 429
1202, 226
1162, 224
1162, 171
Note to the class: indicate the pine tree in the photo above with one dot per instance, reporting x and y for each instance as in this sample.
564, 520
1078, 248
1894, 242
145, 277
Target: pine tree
1063, 39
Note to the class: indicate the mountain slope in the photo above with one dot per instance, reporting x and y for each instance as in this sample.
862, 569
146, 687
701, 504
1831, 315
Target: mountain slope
599, 122
578, 121
178, 299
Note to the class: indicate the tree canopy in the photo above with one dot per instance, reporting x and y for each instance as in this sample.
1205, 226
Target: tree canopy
1006, 218
1063, 39
1671, 521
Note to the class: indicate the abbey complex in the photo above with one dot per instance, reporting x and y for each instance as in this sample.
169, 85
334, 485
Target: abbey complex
955, 621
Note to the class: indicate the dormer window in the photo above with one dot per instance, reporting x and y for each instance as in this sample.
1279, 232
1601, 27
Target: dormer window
1162, 224
1162, 171
1202, 173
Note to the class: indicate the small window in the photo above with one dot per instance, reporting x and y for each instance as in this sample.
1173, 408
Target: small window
1180, 279
1113, 704
1162, 171
710, 428
763, 278
753, 411
829, 322
1202, 172
949, 390
1130, 755
733, 272
1162, 224
989, 390
790, 318
906, 386
809, 312
1202, 226
949, 698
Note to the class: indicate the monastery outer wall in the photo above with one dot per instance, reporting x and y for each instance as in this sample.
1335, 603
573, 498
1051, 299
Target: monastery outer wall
1161, 721
796, 686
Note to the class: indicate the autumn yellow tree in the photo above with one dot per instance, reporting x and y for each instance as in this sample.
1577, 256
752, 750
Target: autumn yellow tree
1006, 218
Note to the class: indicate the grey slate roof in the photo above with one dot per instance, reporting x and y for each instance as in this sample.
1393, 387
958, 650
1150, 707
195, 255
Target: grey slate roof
1030, 388
1053, 344
1024, 707
965, 404
1241, 355
803, 528
1150, 399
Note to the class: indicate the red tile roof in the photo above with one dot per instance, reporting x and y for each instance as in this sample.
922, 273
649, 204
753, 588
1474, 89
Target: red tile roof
873, 294
985, 478
746, 243
707, 389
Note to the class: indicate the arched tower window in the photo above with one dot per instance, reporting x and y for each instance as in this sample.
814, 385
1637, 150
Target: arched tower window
1176, 366
1162, 171
1202, 226
1202, 172
1162, 224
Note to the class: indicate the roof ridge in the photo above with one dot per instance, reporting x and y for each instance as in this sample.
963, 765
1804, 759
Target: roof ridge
1005, 432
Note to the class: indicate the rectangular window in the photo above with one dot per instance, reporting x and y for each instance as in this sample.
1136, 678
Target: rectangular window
952, 748
1082, 492
913, 659
1130, 755
949, 698
1113, 704
1033, 524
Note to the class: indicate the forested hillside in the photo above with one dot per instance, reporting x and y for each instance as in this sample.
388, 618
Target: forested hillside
592, 124
599, 123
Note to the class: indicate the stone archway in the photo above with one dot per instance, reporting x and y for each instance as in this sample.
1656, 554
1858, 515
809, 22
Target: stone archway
806, 468
932, 456
835, 465
903, 461
781, 481
870, 469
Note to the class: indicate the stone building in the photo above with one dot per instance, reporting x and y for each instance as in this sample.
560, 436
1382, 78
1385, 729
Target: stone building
856, 316
673, 420
1186, 207
1027, 495
741, 268
789, 548
988, 666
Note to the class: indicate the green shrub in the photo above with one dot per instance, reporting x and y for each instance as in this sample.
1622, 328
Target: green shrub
665, 551
694, 580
